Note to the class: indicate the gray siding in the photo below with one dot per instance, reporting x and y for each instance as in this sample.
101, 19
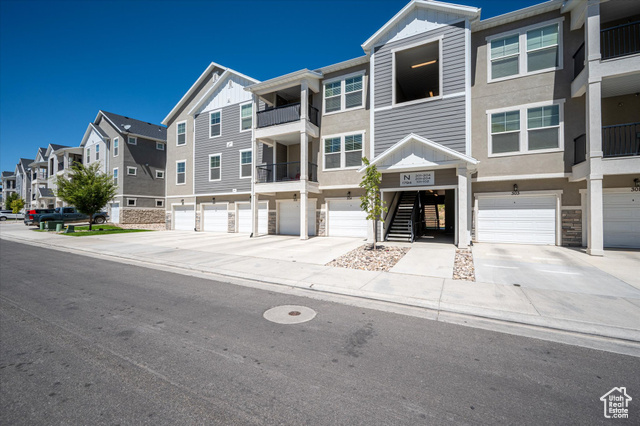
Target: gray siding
147, 159
230, 164
442, 121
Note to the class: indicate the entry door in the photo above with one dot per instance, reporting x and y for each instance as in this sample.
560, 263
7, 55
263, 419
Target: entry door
115, 213
622, 220
289, 217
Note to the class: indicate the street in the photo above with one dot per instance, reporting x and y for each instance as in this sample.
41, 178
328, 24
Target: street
88, 341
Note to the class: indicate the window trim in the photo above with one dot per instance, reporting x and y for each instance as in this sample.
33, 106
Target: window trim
185, 172
178, 134
209, 167
135, 202
160, 171
116, 175
130, 138
116, 146
161, 145
240, 163
209, 123
342, 150
342, 80
524, 128
135, 171
438, 39
88, 155
161, 200
97, 152
240, 129
522, 50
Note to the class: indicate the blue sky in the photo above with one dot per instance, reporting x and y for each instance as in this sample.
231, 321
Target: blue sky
62, 61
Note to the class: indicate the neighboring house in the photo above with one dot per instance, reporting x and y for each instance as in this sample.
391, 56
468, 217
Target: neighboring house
40, 193
134, 153
8, 186
522, 128
60, 159
23, 180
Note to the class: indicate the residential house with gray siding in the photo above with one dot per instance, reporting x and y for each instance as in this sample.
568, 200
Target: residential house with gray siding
8, 186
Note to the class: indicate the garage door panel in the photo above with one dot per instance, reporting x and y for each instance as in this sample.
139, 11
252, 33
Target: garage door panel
244, 218
215, 218
621, 215
346, 219
184, 218
289, 218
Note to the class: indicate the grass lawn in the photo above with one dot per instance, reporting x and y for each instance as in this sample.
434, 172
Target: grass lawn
83, 231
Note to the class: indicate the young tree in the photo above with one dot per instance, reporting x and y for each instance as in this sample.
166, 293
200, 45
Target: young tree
87, 188
10, 198
371, 201
16, 204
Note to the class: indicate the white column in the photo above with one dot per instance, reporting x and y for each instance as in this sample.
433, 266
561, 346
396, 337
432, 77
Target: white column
462, 208
304, 218
595, 241
304, 138
254, 215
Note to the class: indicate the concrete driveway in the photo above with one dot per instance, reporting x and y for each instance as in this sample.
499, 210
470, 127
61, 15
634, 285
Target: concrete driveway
558, 268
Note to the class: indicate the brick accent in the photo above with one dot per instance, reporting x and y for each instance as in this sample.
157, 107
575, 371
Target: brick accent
231, 226
141, 215
321, 223
571, 227
198, 221
272, 223
167, 221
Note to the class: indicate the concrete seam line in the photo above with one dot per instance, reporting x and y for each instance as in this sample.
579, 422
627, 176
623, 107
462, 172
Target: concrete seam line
529, 300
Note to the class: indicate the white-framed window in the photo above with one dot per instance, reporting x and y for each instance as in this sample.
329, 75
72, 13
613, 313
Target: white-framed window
131, 140
215, 124
528, 50
526, 129
132, 171
245, 163
215, 167
159, 174
131, 202
417, 72
343, 151
97, 152
159, 202
246, 116
159, 146
115, 176
181, 172
181, 133
344, 93
116, 146
88, 155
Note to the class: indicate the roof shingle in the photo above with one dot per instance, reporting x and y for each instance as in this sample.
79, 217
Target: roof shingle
142, 128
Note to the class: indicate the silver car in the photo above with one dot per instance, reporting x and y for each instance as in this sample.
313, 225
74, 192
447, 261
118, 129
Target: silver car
9, 214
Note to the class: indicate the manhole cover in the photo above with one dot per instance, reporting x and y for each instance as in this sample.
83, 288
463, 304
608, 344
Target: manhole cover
289, 314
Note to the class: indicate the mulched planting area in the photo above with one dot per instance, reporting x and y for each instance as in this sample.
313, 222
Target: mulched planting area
383, 258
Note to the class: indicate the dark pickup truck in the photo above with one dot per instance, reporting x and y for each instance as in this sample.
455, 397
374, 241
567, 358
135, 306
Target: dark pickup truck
70, 215
30, 218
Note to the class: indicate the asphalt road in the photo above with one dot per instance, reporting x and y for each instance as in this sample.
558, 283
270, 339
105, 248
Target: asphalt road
87, 341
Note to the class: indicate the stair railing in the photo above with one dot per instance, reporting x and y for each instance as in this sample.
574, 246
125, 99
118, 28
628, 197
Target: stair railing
414, 217
393, 209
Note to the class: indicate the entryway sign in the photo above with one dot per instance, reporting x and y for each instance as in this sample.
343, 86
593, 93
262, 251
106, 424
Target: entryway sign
418, 179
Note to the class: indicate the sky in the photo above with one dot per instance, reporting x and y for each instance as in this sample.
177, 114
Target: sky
62, 61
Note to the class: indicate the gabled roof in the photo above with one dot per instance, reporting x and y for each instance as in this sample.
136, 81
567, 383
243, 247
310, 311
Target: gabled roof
463, 11
8, 174
101, 133
24, 163
54, 147
40, 157
135, 127
343, 65
197, 84
283, 80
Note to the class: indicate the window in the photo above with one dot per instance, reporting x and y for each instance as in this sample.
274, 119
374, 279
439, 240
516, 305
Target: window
245, 164
343, 151
88, 155
116, 146
530, 50
132, 171
526, 129
97, 152
159, 203
115, 176
214, 166
181, 172
246, 117
344, 94
181, 133
131, 202
132, 141
417, 73
159, 174
214, 124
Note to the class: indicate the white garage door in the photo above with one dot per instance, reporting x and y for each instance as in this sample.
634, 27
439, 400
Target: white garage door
289, 217
622, 220
244, 218
517, 219
215, 218
115, 213
184, 218
346, 219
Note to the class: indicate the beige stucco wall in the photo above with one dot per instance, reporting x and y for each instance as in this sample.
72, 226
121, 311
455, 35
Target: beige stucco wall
552, 85
619, 181
621, 110
570, 190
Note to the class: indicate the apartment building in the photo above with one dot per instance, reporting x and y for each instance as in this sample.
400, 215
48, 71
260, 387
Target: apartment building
60, 159
41, 195
23, 180
8, 186
522, 128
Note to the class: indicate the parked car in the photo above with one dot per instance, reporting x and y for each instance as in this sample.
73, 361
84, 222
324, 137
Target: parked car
70, 215
9, 214
31, 217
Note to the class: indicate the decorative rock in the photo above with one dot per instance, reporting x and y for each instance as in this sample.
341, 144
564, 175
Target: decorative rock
382, 258
463, 268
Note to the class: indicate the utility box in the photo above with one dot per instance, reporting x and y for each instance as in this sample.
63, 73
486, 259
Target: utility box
70, 229
52, 225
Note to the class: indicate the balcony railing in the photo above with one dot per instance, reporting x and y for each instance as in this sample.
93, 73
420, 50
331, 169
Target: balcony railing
285, 172
578, 61
620, 40
621, 140
580, 149
284, 114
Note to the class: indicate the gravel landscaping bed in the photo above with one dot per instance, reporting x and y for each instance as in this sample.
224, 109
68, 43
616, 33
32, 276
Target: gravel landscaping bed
463, 266
383, 258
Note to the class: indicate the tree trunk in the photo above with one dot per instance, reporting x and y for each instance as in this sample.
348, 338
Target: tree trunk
90, 222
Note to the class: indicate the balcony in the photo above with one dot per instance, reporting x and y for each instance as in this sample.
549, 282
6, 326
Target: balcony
580, 149
284, 114
61, 166
621, 140
621, 40
578, 61
285, 172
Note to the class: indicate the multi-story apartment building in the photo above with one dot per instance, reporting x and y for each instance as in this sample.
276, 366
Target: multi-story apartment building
8, 186
23, 180
522, 128
134, 153
40, 193
60, 159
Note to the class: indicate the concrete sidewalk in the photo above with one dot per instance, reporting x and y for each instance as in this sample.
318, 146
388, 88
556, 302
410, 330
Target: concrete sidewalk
233, 256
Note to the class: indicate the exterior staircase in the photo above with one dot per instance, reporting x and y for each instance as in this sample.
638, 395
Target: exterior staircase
431, 216
402, 223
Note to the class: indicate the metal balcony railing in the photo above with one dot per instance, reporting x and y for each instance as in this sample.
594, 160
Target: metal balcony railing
284, 114
578, 61
621, 40
580, 149
285, 172
621, 140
